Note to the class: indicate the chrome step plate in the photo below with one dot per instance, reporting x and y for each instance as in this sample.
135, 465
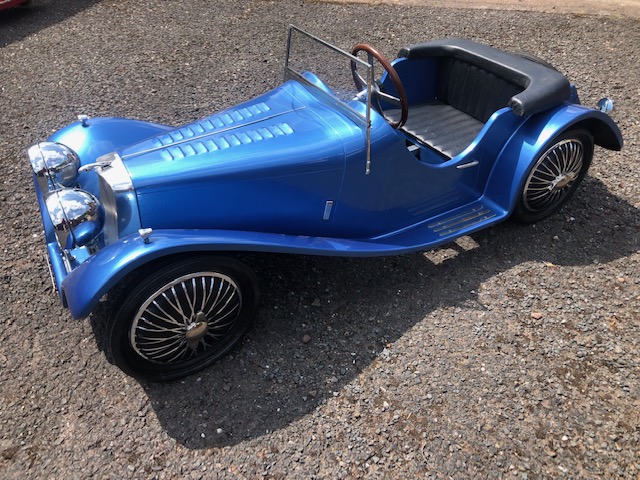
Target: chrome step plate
461, 221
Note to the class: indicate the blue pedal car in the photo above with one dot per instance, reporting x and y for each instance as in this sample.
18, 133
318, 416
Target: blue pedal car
452, 137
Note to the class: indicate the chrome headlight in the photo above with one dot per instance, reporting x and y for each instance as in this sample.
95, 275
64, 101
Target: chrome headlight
54, 164
77, 216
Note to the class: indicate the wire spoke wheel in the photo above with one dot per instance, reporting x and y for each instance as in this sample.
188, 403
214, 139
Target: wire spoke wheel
555, 176
186, 317
182, 316
551, 178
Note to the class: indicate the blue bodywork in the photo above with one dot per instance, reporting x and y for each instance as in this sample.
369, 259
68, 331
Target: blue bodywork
285, 172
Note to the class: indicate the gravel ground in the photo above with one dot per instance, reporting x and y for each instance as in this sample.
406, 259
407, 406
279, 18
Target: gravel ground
618, 8
510, 353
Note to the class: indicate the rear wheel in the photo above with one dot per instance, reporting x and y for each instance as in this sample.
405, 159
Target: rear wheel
182, 317
554, 176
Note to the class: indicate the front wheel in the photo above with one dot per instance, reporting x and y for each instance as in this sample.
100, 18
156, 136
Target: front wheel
554, 176
182, 317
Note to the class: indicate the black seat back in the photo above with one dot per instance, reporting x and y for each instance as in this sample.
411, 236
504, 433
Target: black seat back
473, 90
472, 68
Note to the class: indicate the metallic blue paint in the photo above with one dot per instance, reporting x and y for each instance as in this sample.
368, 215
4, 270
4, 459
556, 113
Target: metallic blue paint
285, 172
102, 135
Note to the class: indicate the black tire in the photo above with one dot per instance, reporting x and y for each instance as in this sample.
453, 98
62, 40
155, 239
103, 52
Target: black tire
181, 317
554, 176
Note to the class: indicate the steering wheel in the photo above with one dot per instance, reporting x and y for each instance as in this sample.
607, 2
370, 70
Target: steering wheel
378, 94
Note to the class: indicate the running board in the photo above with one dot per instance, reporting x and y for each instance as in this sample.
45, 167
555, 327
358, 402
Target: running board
478, 214
444, 228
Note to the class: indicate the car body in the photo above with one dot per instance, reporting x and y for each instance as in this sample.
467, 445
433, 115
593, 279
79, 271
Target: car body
12, 3
453, 137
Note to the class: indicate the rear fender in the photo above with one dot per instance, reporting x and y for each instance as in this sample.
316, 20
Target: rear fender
532, 137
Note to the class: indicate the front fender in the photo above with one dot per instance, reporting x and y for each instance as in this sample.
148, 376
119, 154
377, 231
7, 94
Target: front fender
82, 288
101, 135
522, 149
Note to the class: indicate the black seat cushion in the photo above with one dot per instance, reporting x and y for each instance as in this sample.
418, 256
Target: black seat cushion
440, 126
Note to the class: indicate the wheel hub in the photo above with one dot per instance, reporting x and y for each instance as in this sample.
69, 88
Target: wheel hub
561, 181
197, 328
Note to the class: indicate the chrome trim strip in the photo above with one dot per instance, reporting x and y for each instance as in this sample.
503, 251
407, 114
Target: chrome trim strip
467, 225
326, 44
367, 169
113, 179
461, 221
327, 210
455, 217
468, 165
94, 165
51, 276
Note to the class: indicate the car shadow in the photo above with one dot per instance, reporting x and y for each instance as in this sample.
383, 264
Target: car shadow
354, 309
20, 22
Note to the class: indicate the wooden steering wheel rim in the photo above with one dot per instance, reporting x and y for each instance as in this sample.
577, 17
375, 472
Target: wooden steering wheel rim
395, 79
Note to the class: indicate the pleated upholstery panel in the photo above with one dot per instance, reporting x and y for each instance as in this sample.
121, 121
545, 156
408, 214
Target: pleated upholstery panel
473, 90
